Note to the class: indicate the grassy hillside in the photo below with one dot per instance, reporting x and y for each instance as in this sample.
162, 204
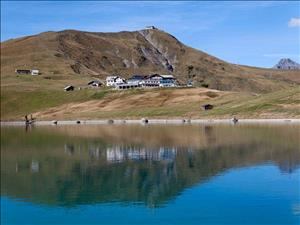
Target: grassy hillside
151, 103
46, 99
75, 57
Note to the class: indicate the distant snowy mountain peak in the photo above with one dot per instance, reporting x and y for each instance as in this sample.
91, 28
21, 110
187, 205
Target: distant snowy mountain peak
287, 64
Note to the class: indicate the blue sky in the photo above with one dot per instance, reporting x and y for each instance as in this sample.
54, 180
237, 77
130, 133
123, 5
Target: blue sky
249, 33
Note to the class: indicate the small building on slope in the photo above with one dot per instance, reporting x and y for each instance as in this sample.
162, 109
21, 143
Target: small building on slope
69, 88
112, 81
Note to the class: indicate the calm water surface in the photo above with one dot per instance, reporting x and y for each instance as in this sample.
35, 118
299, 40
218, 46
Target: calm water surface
156, 174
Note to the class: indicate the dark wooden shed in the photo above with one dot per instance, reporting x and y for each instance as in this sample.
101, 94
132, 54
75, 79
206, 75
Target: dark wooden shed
207, 106
69, 88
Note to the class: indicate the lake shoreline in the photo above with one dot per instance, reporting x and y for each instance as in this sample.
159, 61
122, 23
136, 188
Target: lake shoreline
153, 121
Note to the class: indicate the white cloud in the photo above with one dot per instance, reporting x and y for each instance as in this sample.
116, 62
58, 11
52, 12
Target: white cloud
294, 22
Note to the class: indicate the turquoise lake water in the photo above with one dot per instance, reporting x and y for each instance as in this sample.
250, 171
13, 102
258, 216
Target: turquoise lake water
134, 174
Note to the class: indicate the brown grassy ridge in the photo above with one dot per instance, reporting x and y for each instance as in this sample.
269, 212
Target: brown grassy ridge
154, 103
183, 103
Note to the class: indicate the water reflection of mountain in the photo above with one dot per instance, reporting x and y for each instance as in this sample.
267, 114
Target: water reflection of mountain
121, 154
57, 168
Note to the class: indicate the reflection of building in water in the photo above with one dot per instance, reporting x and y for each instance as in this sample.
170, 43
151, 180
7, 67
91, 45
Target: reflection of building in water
35, 166
114, 154
69, 149
94, 152
210, 135
121, 153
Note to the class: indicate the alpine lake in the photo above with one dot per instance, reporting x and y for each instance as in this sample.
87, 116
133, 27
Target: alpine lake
151, 174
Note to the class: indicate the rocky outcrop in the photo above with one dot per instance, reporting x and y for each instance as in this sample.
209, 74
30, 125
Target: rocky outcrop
167, 60
287, 64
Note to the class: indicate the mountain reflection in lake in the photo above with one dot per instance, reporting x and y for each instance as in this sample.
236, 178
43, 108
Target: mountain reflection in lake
150, 166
